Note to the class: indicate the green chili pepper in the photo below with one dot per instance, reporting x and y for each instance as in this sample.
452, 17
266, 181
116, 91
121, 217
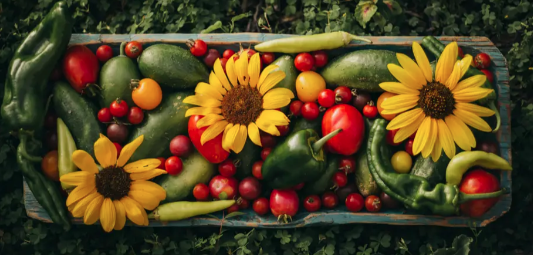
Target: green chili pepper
183, 209
308, 43
413, 191
300, 158
65, 147
463, 161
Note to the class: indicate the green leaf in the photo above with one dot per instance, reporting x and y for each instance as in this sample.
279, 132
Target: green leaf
234, 214
364, 11
215, 26
394, 6
460, 246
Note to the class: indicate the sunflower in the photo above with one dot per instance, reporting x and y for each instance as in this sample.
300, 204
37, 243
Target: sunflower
118, 190
442, 105
241, 102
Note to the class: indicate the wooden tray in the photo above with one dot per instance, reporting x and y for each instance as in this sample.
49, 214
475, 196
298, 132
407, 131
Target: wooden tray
471, 45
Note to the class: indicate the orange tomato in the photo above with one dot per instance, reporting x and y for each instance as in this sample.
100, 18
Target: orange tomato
49, 166
147, 94
381, 99
308, 85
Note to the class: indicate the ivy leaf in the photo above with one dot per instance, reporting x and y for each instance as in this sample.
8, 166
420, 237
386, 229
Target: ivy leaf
394, 6
364, 11
460, 246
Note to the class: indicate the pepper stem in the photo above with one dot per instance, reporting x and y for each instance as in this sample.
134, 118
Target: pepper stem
317, 146
492, 106
122, 46
357, 38
463, 197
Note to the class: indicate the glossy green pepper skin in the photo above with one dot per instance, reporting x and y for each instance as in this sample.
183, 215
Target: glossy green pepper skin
300, 158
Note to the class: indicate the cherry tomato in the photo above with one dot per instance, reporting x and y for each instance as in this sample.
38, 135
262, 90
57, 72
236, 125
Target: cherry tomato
117, 132
284, 203
162, 165
135, 115
330, 200
119, 148
347, 165
267, 58
340, 179
265, 152
413, 135
223, 188
482, 61
354, 202
310, 111
181, 146
350, 120
401, 161
384, 96
133, 49
409, 146
370, 111
223, 62
304, 62
49, 166
283, 130
261, 206
104, 115
390, 137
361, 100
388, 201
308, 85
243, 203
296, 107
326, 98
50, 120
460, 52
372, 203
256, 170
267, 140
173, 165
228, 53
211, 57
198, 47
147, 94
211, 150
233, 208
250, 188
489, 75
119, 108
321, 58
201, 192
343, 95
227, 168
298, 186
104, 53
312, 203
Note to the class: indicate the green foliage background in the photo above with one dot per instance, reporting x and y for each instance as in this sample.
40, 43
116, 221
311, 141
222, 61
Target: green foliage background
508, 23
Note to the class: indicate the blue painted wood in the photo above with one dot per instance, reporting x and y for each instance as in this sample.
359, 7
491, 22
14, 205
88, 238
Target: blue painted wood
470, 45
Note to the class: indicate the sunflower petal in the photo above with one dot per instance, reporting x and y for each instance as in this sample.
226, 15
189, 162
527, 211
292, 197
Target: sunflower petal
120, 215
241, 68
209, 120
422, 61
400, 101
433, 134
202, 111
145, 217
108, 215
80, 192
225, 145
437, 150
472, 120
422, 135
446, 62
465, 64
133, 210
92, 213
221, 75
202, 100
470, 82
404, 77
475, 109
398, 88
446, 139
231, 136
147, 175
405, 132
405, 119
76, 178
267, 127
455, 76
84, 161
105, 152
213, 80
399, 110
128, 150
254, 69
409, 65
277, 98
213, 131
142, 165
150, 187
471, 94
145, 199
265, 73
205, 89
462, 135
272, 80
253, 133
240, 140
273, 117
81, 206
230, 71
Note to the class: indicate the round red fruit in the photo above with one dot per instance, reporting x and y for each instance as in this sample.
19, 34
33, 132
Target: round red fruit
267, 58
104, 115
119, 148
460, 52
475, 182
198, 47
330, 200
256, 170
223, 188
321, 58
201, 192
370, 111
312, 203
261, 206
133, 49
388, 201
409, 146
354, 202
173, 165
298, 186
340, 179
267, 140
223, 62
413, 135
390, 137
243, 203
265, 152
162, 165
361, 100
104, 53
343, 95
135, 115
211, 57
283, 130
296, 107
227, 168
310, 111
119, 108
284, 203
482, 60
250, 188
326, 98
117, 132
233, 208
181, 146
347, 165
373, 203
489, 75
228, 53
304, 62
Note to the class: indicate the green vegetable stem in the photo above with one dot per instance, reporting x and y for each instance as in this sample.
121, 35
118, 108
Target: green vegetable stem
463, 161
308, 43
183, 209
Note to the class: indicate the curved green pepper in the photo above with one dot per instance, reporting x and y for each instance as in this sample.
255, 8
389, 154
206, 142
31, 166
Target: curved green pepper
325, 181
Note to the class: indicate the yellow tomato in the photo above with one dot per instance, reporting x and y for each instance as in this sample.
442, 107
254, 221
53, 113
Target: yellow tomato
308, 86
381, 99
401, 162
147, 95
49, 166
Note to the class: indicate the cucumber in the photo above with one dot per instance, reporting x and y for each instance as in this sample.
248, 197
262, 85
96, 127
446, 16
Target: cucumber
196, 169
363, 178
160, 126
79, 115
324, 182
362, 69
285, 63
172, 67
244, 161
433, 172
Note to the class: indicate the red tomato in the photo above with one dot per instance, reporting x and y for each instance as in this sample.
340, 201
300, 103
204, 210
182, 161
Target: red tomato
330, 200
283, 130
413, 135
298, 186
321, 58
296, 107
370, 111
343, 95
304, 62
233, 208
228, 53
460, 51
104, 115
198, 47
201, 192
227, 168
261, 206
133, 49
211, 150
340, 179
256, 170
310, 111
372, 203
243, 203
119, 108
223, 188
284, 203
388, 201
267, 140
223, 62
104, 53
312, 203
211, 57
347, 165
326, 98
180, 146
354, 202
173, 165
482, 60
119, 148
162, 165
475, 182
250, 188
489, 75
409, 146
267, 58
347, 118
265, 152
390, 137
135, 115
81, 68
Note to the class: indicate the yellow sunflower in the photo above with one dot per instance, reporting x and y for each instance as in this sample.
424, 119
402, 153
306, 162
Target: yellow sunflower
442, 105
119, 190
240, 102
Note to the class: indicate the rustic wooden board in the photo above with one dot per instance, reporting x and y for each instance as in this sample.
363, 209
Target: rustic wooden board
471, 45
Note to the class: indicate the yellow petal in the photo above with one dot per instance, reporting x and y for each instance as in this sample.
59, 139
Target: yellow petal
145, 199
202, 111
272, 80
475, 109
398, 88
105, 152
240, 139
92, 213
405, 119
465, 64
128, 150
254, 69
410, 66
455, 76
221, 75
471, 94
150, 187
120, 215
225, 145
202, 100
81, 206
76, 178
205, 89
133, 210
437, 150
422, 135
213, 80
265, 74
209, 120
80, 192
142, 165
241, 68
229, 140
147, 175
446, 139
422, 61
107, 215
84, 161
72, 206
273, 117
277, 98
230, 71
404, 77
433, 133
470, 82
472, 120
400, 101
267, 127
145, 217
405, 132
253, 133
399, 110
446, 62
213, 131
462, 135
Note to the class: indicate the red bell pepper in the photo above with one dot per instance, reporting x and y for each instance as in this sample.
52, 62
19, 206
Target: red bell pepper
350, 120
475, 182
211, 150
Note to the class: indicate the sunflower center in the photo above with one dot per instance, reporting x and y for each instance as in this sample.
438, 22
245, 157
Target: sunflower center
436, 100
113, 182
242, 105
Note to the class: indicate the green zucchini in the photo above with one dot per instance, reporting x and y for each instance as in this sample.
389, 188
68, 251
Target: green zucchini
363, 178
285, 63
244, 161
